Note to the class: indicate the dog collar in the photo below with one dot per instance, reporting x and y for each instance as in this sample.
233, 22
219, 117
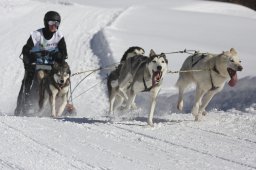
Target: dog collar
149, 88
59, 86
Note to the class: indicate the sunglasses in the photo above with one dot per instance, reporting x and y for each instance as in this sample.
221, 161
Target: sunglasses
57, 23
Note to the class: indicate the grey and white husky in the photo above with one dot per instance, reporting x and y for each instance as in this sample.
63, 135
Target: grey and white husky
210, 74
54, 86
140, 73
112, 80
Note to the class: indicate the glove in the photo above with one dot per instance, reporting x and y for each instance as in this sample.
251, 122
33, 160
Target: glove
28, 59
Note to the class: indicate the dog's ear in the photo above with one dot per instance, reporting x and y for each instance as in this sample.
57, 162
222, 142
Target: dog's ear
55, 65
152, 53
164, 56
233, 51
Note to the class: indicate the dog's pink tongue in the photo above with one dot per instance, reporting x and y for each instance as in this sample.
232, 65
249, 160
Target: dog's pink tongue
233, 80
156, 77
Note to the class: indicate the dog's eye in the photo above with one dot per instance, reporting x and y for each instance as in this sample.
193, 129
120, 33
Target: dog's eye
232, 60
163, 61
240, 61
154, 61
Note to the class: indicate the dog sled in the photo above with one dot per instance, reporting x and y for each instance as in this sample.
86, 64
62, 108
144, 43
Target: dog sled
44, 61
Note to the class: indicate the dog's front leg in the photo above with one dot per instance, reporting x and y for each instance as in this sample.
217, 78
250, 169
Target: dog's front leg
122, 93
53, 103
63, 105
154, 93
209, 95
195, 111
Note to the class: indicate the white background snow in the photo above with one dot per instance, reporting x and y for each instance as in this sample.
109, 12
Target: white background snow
97, 34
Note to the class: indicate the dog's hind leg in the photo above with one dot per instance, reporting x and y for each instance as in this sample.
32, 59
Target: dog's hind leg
122, 93
131, 99
182, 85
198, 100
112, 97
180, 103
123, 85
118, 102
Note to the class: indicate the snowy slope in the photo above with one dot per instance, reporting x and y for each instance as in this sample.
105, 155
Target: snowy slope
97, 34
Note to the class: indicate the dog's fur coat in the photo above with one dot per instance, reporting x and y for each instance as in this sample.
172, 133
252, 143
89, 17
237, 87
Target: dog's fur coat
140, 73
112, 80
210, 74
53, 86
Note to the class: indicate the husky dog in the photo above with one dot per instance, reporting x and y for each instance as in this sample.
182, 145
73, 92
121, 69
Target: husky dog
131, 52
53, 86
140, 73
210, 74
112, 80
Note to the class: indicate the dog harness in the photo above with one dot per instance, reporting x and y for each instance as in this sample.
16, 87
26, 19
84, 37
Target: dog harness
214, 69
60, 86
145, 86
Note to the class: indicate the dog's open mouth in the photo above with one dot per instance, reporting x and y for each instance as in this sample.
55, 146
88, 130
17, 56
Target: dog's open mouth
233, 77
157, 75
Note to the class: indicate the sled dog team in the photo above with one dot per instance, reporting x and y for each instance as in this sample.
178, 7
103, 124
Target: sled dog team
138, 73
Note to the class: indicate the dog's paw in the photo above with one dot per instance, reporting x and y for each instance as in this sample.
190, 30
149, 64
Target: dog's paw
111, 119
54, 115
150, 123
180, 105
134, 106
204, 113
198, 118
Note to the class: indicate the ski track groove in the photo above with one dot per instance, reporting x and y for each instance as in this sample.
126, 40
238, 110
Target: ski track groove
187, 148
223, 134
10, 165
114, 154
51, 149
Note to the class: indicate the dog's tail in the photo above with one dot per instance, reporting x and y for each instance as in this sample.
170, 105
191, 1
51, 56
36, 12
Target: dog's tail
112, 80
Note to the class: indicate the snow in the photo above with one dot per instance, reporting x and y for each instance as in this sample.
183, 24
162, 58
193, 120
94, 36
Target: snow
97, 33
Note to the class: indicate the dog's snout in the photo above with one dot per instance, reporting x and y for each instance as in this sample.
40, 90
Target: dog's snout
159, 68
239, 68
61, 81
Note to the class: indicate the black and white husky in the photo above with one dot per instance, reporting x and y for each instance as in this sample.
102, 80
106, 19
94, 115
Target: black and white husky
140, 73
54, 86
